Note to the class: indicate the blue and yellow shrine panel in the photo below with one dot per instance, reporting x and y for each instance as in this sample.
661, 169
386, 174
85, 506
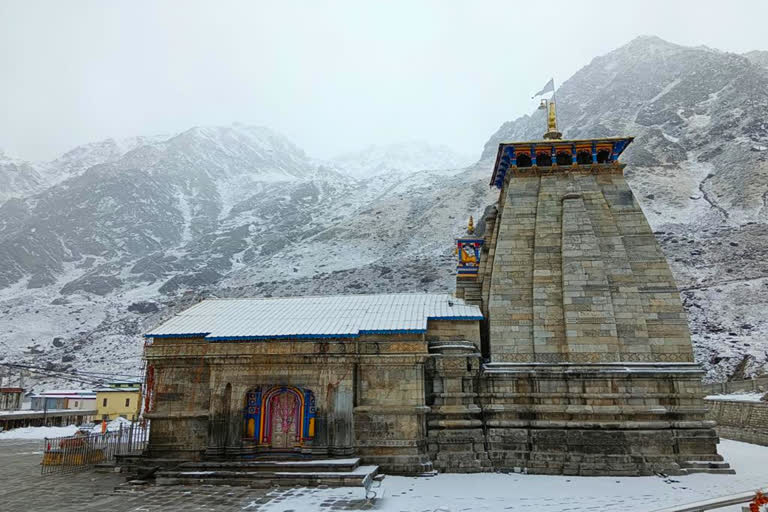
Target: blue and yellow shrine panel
468, 252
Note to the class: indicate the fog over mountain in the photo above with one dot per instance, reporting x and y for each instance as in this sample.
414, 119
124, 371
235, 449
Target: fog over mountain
110, 238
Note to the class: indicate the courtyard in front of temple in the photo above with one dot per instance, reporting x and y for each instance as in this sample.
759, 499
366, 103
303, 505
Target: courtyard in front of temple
23, 489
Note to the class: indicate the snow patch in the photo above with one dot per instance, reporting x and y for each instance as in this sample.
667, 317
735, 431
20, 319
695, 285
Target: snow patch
737, 397
492, 492
38, 432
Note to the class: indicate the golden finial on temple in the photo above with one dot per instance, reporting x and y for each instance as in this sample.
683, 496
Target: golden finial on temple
549, 106
471, 225
552, 132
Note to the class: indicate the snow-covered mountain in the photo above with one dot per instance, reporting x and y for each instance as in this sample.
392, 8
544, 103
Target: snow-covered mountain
115, 236
759, 57
404, 157
90, 261
18, 178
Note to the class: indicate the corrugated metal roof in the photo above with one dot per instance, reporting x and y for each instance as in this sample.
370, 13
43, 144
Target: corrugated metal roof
314, 317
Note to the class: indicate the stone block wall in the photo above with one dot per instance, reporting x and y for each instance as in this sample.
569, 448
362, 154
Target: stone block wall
455, 435
756, 384
370, 393
574, 274
179, 414
390, 412
450, 330
591, 420
740, 420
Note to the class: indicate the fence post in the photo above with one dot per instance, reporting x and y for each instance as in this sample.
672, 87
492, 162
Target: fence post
130, 435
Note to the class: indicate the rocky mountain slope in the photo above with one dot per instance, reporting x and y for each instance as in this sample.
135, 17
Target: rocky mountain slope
113, 237
18, 178
759, 57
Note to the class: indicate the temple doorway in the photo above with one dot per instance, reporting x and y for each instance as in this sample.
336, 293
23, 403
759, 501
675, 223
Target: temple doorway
280, 417
285, 418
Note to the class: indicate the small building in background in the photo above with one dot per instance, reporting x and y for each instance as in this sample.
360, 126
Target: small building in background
119, 399
26, 400
72, 399
10, 398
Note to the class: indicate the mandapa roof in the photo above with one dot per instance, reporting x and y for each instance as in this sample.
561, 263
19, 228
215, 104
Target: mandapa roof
344, 316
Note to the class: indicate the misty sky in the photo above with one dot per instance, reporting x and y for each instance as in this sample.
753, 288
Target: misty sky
332, 76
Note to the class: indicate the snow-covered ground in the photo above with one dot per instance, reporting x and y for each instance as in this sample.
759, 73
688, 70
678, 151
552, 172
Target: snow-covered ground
743, 396
512, 492
38, 432
43, 432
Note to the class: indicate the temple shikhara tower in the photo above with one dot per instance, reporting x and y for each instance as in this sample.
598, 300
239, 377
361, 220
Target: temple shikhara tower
589, 359
564, 350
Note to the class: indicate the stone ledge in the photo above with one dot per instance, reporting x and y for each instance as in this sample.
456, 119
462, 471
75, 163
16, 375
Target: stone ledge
559, 369
391, 409
604, 425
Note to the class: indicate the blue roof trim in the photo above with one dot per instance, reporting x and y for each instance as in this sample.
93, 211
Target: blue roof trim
393, 331
505, 161
185, 335
468, 318
281, 337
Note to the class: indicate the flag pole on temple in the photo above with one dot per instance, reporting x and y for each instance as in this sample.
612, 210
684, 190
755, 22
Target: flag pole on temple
551, 108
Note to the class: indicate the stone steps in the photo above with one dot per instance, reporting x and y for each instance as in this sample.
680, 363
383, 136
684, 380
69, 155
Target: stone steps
139, 465
321, 465
704, 466
327, 472
106, 467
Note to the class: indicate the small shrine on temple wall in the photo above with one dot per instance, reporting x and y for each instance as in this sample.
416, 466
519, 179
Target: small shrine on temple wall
468, 251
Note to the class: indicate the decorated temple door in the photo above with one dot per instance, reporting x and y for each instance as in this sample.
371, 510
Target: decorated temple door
279, 417
285, 416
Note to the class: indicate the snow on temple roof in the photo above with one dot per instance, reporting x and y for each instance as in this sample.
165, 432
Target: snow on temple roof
314, 317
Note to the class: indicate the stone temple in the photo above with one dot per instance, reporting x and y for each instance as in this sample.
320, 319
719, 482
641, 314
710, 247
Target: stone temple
565, 349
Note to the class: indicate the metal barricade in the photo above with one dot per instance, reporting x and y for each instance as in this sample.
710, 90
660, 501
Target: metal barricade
86, 449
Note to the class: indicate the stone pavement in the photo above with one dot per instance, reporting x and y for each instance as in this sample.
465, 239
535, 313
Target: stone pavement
24, 489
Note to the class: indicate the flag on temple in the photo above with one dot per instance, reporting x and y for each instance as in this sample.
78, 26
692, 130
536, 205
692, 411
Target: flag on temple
550, 87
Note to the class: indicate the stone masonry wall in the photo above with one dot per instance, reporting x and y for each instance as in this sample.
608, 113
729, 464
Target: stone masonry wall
451, 330
740, 420
575, 283
757, 384
577, 276
369, 393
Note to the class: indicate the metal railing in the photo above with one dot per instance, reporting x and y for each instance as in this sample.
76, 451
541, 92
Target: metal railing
715, 503
84, 450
